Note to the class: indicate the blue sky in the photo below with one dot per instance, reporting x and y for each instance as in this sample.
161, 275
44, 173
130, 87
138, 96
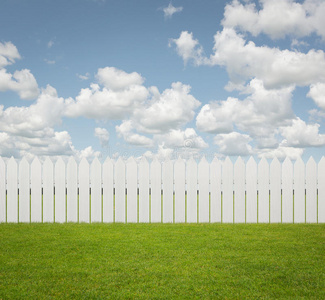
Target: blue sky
227, 78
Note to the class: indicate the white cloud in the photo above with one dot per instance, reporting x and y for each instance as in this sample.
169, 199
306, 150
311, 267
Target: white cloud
49, 62
281, 152
259, 115
317, 93
50, 43
301, 135
84, 77
170, 10
277, 19
189, 48
103, 136
116, 79
169, 110
8, 54
244, 61
22, 82
181, 139
97, 103
234, 143
126, 130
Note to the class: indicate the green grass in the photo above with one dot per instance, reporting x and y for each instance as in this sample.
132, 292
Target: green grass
162, 261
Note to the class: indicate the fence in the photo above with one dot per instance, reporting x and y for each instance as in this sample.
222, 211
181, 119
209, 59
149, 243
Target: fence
183, 191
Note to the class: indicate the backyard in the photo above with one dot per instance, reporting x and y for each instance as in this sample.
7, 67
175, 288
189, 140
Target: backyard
162, 261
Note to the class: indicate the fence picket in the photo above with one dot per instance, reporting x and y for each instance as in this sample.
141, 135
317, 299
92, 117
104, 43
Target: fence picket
203, 180
275, 191
191, 182
215, 191
155, 178
60, 203
24, 194
179, 169
83, 191
227, 191
239, 188
132, 190
12, 191
287, 191
36, 191
72, 190
144, 190
120, 191
311, 191
3, 206
48, 195
321, 191
96, 191
168, 188
108, 191
263, 191
299, 191
251, 191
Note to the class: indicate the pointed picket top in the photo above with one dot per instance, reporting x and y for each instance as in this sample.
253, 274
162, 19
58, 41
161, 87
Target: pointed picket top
84, 162
263, 164
299, 162
251, 163
227, 162
239, 162
120, 160
322, 161
47, 161
179, 161
275, 162
35, 162
155, 159
59, 163
144, 162
72, 161
24, 162
203, 161
108, 162
95, 165
215, 160
131, 160
311, 162
287, 162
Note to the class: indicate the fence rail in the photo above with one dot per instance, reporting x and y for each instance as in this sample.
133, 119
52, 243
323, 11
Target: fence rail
180, 191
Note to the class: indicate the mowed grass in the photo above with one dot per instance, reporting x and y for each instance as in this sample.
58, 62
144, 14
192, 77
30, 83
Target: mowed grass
162, 261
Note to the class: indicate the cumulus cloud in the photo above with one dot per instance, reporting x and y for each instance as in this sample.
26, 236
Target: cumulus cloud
181, 139
189, 48
170, 10
126, 131
244, 61
300, 135
22, 82
8, 54
84, 77
234, 143
103, 136
103, 103
169, 110
317, 93
277, 19
260, 114
115, 79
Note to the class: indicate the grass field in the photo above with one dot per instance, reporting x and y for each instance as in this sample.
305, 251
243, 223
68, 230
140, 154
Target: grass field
162, 261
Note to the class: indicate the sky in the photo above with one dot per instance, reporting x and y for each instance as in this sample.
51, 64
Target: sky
98, 78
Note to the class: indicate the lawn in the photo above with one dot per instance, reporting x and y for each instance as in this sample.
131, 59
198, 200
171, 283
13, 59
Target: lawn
162, 261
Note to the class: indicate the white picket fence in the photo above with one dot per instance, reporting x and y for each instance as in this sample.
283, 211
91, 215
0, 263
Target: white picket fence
180, 191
